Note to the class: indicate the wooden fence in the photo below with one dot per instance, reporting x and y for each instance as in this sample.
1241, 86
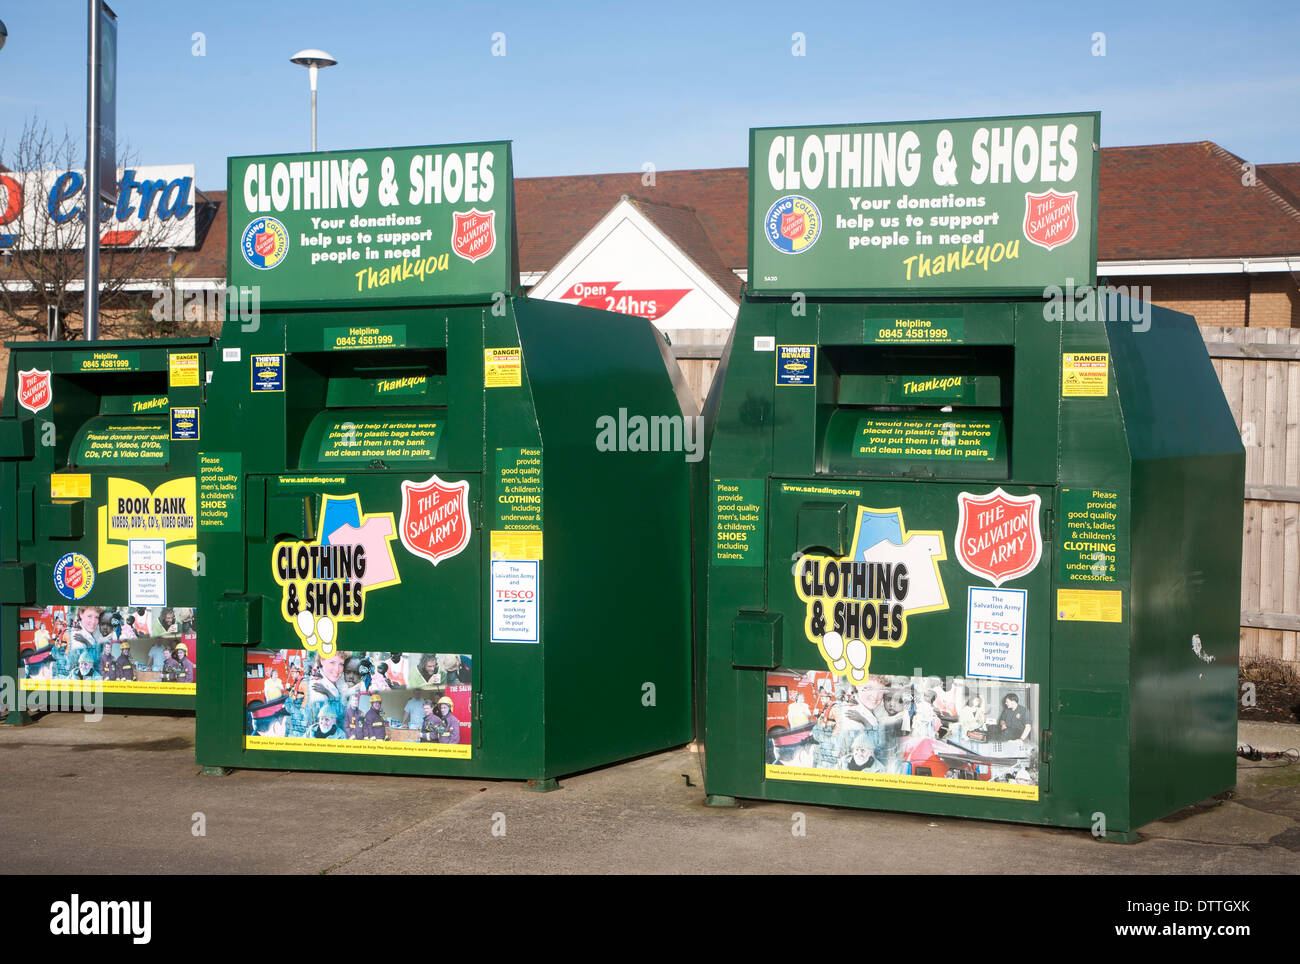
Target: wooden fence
1260, 372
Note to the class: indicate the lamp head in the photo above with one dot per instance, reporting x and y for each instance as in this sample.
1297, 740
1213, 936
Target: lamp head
312, 58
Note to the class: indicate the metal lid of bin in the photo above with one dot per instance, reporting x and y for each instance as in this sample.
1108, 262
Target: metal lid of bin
115, 343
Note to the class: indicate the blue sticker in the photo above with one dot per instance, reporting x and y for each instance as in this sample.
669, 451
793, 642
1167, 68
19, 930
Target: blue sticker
796, 364
74, 576
267, 373
185, 424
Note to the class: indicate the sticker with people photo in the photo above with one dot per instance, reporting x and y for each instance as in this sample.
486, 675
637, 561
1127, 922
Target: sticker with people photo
403, 704
944, 734
123, 649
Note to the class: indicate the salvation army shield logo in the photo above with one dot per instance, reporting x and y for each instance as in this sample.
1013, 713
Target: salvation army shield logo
998, 535
1051, 218
435, 518
34, 391
473, 234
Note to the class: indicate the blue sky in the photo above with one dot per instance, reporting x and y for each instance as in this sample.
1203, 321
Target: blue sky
591, 87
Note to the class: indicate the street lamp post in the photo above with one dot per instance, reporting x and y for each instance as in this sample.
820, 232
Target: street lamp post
90, 323
313, 60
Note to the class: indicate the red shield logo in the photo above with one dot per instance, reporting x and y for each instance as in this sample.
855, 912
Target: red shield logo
998, 535
435, 518
264, 243
473, 234
34, 391
792, 225
1051, 218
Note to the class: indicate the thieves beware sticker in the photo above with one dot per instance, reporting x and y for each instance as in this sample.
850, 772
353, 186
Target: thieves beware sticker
267, 373
185, 425
796, 364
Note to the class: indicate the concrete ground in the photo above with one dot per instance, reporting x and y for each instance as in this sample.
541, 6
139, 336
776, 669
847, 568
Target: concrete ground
123, 795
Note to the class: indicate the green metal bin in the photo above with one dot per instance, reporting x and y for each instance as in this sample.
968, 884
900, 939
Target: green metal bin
965, 557
422, 557
97, 472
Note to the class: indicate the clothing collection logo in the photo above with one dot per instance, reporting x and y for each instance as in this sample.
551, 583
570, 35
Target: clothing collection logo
793, 224
265, 243
74, 576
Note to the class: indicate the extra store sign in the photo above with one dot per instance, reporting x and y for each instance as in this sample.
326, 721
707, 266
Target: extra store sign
392, 226
1004, 205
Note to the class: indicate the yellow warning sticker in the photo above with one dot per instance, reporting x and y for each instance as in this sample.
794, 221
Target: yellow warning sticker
1085, 375
1090, 605
510, 544
183, 370
502, 368
69, 485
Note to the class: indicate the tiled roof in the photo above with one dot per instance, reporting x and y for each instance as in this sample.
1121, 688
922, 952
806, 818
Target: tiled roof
554, 213
1163, 201
1169, 201
684, 229
1283, 178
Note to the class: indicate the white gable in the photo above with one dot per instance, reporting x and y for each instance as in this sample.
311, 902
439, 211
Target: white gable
626, 264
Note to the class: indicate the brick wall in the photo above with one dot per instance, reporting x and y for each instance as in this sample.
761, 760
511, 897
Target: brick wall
1260, 300
1214, 299
1274, 301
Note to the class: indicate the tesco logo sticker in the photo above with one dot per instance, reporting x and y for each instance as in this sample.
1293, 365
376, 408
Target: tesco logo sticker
516, 594
514, 600
995, 633
990, 626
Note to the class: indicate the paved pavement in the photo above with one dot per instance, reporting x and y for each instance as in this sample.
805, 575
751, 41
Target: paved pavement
123, 796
